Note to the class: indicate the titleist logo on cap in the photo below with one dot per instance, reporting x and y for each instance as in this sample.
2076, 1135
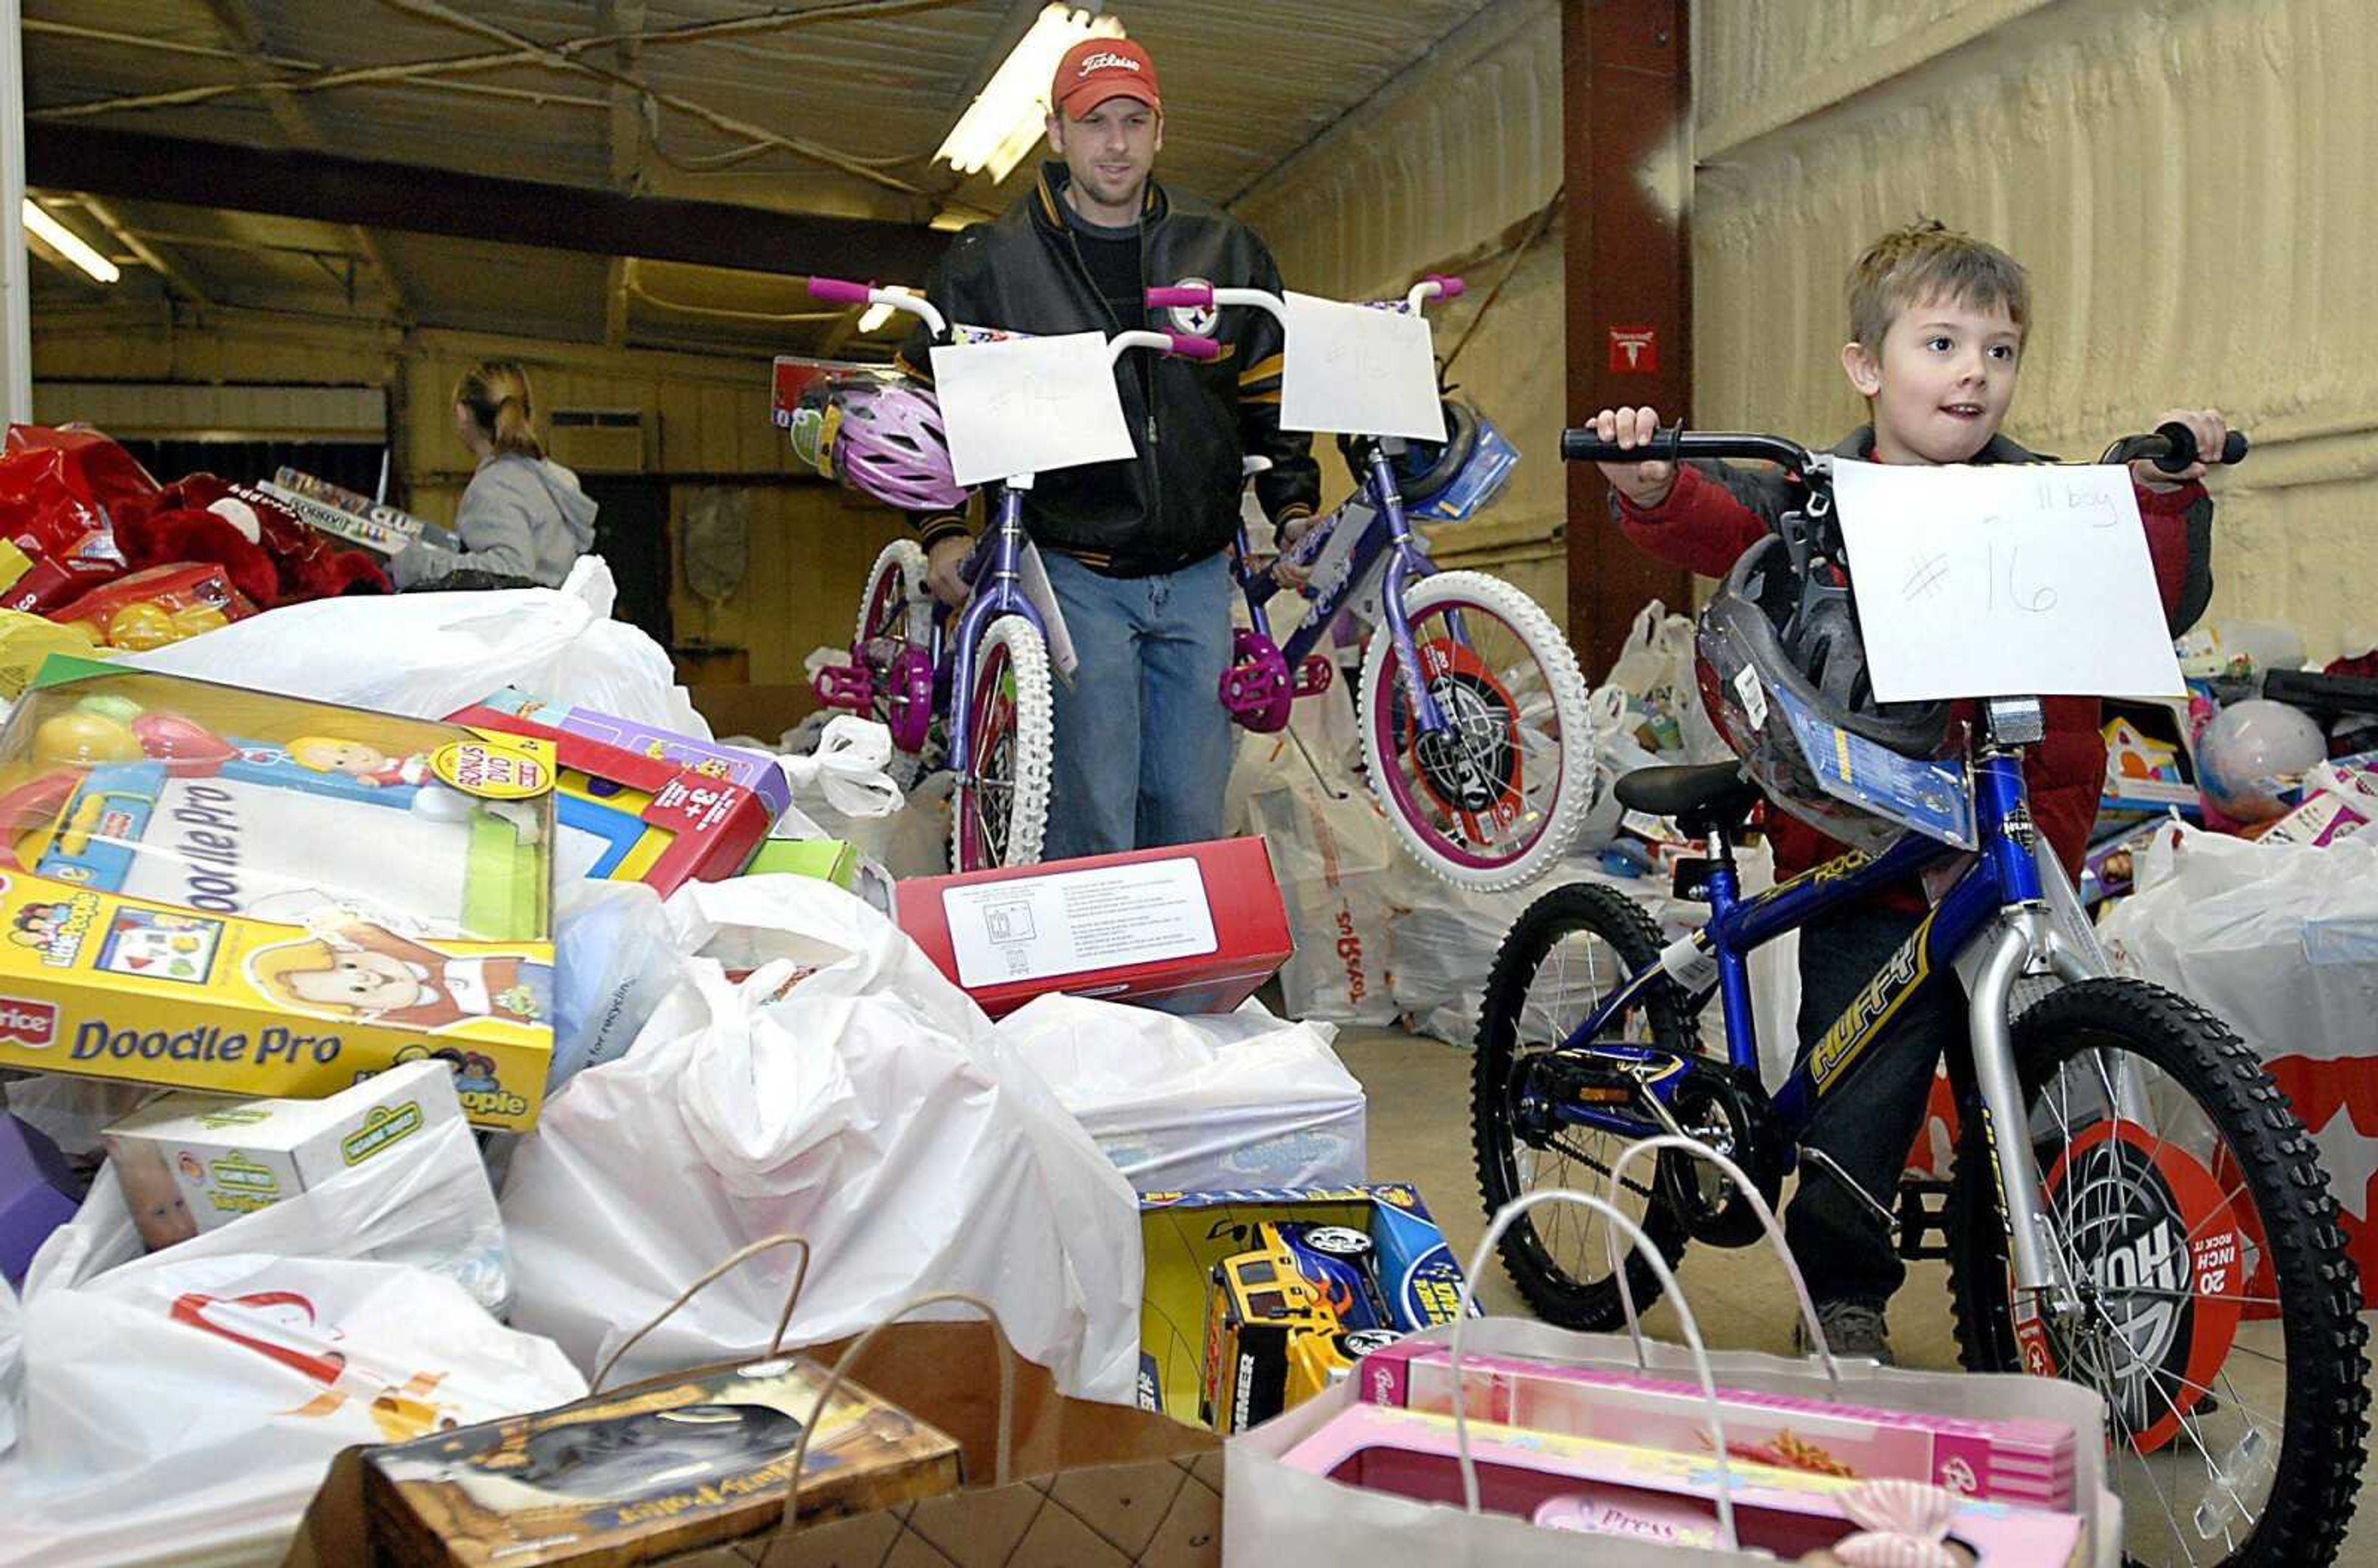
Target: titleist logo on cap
1106, 63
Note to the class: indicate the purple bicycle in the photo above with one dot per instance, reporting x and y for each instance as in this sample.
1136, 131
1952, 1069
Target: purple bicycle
986, 680
1470, 707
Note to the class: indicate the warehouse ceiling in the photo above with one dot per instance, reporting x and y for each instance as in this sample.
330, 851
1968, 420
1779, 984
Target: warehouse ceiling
679, 165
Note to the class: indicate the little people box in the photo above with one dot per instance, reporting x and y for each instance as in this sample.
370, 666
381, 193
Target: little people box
190, 1163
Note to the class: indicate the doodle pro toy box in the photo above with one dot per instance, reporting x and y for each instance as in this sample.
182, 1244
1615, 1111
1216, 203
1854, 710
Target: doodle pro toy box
210, 888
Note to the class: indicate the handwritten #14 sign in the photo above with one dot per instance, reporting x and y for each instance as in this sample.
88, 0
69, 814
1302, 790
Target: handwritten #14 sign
2012, 580
1029, 405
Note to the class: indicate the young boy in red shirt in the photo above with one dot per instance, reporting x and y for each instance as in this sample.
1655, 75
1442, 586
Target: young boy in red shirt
1937, 321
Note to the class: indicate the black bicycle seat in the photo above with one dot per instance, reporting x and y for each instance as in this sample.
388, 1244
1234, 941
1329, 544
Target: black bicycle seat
1713, 795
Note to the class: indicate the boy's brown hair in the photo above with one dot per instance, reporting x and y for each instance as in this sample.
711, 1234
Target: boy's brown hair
1926, 259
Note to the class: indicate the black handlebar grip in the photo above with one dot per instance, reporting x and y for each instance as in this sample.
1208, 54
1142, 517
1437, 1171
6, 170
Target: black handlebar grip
2181, 441
1587, 446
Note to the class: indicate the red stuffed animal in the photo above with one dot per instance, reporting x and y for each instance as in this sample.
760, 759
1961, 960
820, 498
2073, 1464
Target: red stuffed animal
270, 555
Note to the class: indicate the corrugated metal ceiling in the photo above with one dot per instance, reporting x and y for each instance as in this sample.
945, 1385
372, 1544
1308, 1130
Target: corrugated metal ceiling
873, 82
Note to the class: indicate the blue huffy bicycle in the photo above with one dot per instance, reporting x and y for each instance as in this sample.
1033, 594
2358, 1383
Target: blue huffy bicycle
2133, 1206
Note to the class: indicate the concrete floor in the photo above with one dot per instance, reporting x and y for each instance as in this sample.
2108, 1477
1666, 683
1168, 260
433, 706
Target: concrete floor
1419, 1093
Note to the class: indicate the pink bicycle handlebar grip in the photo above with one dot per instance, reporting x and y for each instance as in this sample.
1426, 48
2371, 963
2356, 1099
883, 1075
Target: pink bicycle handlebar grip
1189, 346
1175, 295
1452, 288
839, 291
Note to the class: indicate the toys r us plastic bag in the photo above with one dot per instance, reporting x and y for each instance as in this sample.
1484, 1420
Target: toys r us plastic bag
847, 1093
191, 1406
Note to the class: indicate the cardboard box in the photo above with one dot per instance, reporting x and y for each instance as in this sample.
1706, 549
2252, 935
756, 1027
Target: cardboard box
755, 772
627, 816
199, 875
1185, 1235
343, 514
1195, 927
38, 1194
648, 1472
193, 1163
827, 859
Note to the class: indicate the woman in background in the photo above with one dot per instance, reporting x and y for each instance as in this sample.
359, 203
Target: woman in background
523, 516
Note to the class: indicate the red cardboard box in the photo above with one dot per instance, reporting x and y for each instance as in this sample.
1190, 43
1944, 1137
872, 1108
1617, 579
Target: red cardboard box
1194, 928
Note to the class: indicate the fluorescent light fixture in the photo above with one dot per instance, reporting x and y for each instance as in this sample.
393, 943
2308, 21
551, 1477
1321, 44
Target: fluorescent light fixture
879, 314
1000, 127
68, 243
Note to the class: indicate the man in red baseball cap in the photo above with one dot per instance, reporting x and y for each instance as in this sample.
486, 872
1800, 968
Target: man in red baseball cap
1138, 550
1106, 120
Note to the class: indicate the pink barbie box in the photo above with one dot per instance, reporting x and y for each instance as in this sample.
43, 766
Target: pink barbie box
1649, 1493
2006, 1461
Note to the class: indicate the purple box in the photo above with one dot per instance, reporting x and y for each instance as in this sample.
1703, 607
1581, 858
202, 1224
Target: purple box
37, 1195
757, 774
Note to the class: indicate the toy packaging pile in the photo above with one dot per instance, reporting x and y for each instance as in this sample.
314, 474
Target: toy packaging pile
458, 1112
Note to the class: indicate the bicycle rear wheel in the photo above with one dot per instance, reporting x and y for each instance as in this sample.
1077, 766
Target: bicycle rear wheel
1493, 800
894, 638
2216, 1300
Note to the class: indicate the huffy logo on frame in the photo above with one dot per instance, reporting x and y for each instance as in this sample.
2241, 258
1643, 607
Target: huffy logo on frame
29, 1023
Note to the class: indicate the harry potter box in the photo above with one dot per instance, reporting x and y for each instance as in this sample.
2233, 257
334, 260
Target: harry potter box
210, 888
649, 1472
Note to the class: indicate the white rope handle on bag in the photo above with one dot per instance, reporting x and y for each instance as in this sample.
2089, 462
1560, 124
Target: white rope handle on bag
1759, 1205
776, 1344
1502, 1221
1004, 1455
847, 768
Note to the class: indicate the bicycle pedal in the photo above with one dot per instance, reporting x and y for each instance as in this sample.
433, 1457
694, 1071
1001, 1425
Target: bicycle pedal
1922, 1219
1313, 674
1588, 1079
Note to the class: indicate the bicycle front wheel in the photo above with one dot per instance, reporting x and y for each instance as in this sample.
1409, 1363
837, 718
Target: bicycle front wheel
2215, 1302
1492, 798
999, 809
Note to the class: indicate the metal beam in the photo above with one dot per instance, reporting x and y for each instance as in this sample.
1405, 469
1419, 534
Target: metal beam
122, 233
625, 18
415, 199
1625, 107
16, 273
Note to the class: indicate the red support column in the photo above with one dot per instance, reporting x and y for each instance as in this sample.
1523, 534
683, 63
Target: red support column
1626, 91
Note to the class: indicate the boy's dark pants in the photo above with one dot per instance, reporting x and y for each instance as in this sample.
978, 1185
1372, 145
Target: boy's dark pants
1868, 1124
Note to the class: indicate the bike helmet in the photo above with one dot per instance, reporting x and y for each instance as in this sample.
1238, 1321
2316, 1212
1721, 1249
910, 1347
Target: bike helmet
1427, 467
1771, 632
888, 444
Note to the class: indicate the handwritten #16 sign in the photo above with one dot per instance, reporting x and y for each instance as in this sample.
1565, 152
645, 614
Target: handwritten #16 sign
2011, 580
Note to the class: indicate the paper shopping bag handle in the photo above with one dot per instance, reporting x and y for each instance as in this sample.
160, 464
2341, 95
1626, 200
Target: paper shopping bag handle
1659, 1265
1005, 1453
776, 1344
1767, 1221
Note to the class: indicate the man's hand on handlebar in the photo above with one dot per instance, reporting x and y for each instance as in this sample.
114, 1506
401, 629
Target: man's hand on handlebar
942, 563
2212, 432
1645, 484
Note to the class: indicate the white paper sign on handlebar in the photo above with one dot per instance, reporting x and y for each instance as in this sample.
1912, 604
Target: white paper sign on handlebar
1355, 370
2008, 579
1029, 405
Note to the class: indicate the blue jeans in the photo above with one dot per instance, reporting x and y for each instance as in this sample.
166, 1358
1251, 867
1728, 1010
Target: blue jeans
1143, 743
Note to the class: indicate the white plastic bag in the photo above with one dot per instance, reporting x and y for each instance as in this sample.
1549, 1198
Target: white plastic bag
428, 654
426, 1204
12, 1365
1188, 1104
1341, 880
190, 1408
615, 957
866, 1105
187, 1402
2281, 940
